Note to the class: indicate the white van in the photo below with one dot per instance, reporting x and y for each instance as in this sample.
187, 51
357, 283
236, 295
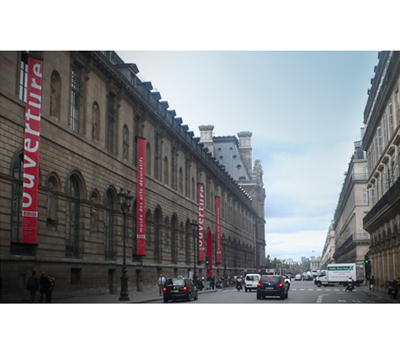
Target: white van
250, 281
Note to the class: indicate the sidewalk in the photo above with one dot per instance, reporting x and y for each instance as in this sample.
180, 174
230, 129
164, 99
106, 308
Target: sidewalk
134, 298
380, 295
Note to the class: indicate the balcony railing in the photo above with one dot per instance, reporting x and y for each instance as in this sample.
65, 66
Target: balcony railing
388, 197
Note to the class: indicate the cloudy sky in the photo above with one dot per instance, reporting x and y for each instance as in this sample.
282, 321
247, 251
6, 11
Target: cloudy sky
304, 108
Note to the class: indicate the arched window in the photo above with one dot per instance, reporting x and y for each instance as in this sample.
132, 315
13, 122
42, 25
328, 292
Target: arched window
109, 226
72, 217
16, 209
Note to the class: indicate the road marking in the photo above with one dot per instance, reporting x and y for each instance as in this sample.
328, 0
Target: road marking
318, 290
342, 301
319, 300
337, 290
311, 289
302, 289
356, 301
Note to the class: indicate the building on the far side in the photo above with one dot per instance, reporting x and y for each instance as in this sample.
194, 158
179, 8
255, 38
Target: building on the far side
351, 240
328, 252
235, 155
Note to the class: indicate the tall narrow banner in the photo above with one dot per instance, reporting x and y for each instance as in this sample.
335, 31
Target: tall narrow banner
201, 223
33, 112
218, 209
141, 197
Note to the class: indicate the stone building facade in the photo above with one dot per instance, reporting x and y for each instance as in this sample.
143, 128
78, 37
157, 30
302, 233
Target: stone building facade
94, 107
328, 252
235, 155
351, 240
381, 142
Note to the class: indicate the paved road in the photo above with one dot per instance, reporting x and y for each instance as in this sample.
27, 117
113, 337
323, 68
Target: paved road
300, 292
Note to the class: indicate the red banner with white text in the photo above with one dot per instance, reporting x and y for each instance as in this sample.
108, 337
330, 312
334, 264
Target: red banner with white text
33, 112
141, 197
218, 210
201, 223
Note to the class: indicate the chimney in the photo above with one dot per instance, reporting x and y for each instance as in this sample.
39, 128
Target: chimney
206, 137
245, 150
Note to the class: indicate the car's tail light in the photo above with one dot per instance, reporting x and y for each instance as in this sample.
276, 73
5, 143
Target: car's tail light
164, 290
279, 284
185, 289
259, 284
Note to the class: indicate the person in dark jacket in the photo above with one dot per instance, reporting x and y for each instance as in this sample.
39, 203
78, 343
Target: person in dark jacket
32, 286
45, 286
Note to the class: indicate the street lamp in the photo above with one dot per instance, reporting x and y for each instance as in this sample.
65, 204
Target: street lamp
125, 201
195, 227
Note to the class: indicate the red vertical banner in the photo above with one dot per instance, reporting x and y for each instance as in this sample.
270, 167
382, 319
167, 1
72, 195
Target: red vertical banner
218, 217
201, 223
33, 111
141, 197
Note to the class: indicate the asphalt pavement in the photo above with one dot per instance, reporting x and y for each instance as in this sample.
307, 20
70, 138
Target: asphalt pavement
153, 295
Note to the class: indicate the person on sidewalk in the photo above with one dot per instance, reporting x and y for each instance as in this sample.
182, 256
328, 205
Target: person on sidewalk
32, 286
161, 281
372, 283
45, 286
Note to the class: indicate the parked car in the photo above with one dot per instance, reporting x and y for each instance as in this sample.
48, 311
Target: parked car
250, 281
272, 285
297, 277
179, 288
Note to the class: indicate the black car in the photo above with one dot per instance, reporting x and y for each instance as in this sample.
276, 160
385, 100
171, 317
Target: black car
179, 288
272, 285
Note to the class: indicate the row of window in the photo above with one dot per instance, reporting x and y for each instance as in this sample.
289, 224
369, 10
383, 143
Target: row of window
165, 169
181, 239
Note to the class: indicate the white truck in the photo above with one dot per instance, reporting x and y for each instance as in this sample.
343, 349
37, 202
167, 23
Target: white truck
338, 274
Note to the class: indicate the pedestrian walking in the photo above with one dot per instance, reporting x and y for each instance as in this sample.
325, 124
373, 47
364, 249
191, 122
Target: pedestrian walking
372, 283
52, 284
161, 281
32, 286
45, 286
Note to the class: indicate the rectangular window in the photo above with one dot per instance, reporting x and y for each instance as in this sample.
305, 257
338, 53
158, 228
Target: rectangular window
76, 90
23, 77
385, 129
365, 196
110, 122
391, 122
380, 141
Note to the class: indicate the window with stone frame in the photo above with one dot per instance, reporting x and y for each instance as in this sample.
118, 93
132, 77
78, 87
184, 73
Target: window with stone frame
109, 226
23, 76
111, 123
16, 199
75, 120
72, 217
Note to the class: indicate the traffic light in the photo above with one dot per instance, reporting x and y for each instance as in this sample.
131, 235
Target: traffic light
207, 262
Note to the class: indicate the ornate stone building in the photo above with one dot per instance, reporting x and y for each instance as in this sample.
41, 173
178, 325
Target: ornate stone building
94, 107
235, 155
381, 142
351, 241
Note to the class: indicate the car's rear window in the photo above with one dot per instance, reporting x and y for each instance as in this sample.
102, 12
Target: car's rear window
269, 279
178, 283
